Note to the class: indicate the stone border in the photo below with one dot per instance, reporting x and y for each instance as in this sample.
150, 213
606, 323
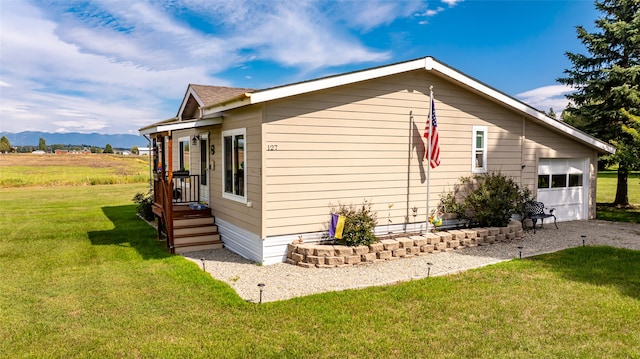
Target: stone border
403, 246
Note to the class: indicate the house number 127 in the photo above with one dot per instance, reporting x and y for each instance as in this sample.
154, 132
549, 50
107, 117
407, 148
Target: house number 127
272, 147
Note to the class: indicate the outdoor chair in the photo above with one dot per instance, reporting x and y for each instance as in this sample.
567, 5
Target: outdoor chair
534, 211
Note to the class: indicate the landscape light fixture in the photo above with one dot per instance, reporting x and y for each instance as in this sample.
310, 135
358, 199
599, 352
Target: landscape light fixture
583, 239
520, 248
429, 264
261, 286
203, 268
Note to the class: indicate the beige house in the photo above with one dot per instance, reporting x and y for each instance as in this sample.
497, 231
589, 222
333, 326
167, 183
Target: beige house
271, 163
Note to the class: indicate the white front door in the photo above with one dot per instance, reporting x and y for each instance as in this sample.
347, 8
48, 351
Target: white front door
204, 168
563, 184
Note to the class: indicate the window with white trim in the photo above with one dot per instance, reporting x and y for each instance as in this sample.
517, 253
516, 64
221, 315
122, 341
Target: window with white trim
479, 150
234, 162
184, 154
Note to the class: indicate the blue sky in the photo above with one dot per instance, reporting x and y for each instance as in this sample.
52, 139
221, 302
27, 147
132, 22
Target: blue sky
114, 66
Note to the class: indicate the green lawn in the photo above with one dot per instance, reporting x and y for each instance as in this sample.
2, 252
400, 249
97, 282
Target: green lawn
84, 277
607, 183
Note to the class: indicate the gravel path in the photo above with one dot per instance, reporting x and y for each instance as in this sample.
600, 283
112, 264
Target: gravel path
284, 281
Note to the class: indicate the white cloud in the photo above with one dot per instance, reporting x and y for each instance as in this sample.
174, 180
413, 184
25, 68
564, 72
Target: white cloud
546, 97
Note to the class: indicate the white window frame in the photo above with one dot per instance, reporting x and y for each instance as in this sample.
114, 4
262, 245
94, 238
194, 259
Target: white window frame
233, 133
475, 150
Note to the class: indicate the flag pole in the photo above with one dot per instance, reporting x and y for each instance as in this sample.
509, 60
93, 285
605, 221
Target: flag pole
430, 120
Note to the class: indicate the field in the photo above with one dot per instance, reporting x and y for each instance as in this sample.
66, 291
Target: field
607, 181
83, 277
27, 170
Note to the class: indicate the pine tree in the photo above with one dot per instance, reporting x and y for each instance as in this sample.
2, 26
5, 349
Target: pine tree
42, 144
608, 82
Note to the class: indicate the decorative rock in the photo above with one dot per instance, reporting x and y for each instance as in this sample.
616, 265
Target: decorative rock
444, 236
306, 265
325, 266
342, 250
511, 236
324, 251
470, 233
505, 230
482, 232
457, 234
493, 231
390, 244
315, 260
332, 261
401, 252
351, 259
405, 242
384, 255
297, 257
453, 244
432, 238
428, 248
419, 240
290, 261
490, 239
376, 247
440, 246
306, 249
501, 237
369, 257
359, 250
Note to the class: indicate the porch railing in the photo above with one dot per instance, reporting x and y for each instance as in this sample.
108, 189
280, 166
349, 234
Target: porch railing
186, 188
162, 197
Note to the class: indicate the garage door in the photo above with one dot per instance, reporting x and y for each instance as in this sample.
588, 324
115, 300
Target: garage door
563, 184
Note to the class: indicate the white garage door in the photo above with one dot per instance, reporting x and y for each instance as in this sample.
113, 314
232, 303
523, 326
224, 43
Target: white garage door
563, 184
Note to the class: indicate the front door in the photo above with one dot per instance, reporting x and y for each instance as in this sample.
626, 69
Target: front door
204, 169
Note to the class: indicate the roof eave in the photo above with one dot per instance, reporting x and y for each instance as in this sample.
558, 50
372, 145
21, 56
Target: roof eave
179, 125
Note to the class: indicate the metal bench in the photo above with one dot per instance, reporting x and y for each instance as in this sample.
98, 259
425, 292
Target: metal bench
534, 211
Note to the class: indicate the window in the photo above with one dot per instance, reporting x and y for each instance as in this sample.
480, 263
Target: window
558, 181
543, 181
575, 180
234, 184
479, 150
184, 154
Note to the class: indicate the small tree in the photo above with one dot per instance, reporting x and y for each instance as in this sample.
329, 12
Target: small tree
5, 145
108, 148
134, 150
42, 144
486, 200
359, 224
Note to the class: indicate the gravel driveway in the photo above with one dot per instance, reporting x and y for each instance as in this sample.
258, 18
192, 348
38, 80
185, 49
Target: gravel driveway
283, 281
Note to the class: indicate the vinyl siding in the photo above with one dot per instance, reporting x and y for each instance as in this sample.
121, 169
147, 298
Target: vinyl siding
237, 214
365, 141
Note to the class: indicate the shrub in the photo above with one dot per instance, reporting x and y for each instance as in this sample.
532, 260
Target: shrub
145, 202
359, 224
487, 200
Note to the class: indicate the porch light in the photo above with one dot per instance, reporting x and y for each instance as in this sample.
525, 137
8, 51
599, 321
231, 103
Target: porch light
520, 248
194, 140
261, 286
429, 264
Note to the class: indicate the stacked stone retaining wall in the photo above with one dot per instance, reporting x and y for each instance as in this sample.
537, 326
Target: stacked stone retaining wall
401, 246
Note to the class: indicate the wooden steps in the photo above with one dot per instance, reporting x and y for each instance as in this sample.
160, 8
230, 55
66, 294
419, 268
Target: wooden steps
194, 230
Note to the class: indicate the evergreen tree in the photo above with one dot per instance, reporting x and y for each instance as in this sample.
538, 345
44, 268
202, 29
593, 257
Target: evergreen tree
108, 148
42, 144
607, 82
5, 145
135, 150
552, 113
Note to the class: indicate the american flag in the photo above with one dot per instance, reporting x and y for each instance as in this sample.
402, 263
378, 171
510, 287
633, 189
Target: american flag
434, 141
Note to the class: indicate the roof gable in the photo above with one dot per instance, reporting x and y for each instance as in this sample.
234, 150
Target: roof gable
429, 64
198, 96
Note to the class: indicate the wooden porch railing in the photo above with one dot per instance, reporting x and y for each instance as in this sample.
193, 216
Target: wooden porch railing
186, 188
163, 198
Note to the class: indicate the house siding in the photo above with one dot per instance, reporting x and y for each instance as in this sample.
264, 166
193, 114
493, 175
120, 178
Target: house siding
238, 214
364, 141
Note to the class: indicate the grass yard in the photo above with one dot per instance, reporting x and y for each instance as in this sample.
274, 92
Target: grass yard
607, 183
28, 170
84, 277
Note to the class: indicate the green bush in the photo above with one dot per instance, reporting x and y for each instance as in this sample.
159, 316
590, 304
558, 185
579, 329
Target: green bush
486, 200
145, 202
359, 224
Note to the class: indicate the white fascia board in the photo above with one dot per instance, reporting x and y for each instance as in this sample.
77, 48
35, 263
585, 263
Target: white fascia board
216, 111
181, 125
190, 91
333, 81
515, 104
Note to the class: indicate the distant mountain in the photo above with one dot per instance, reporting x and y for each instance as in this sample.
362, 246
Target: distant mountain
32, 138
